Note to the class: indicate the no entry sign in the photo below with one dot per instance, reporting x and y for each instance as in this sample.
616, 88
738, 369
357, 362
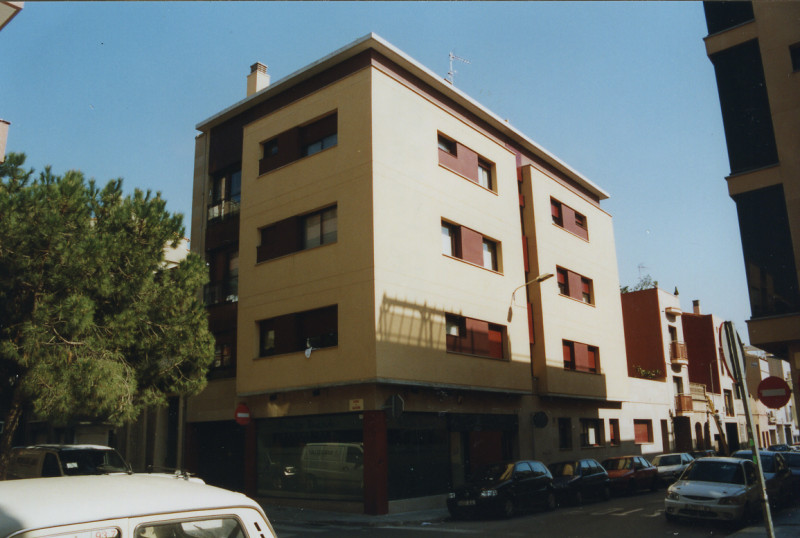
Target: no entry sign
242, 415
774, 392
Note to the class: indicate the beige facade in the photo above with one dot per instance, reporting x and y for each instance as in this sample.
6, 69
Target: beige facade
430, 353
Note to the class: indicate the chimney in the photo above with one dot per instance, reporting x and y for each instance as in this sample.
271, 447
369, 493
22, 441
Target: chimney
696, 306
258, 79
3, 137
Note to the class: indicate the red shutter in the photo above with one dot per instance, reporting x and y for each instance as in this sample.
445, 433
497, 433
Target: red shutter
471, 246
641, 432
477, 337
525, 253
569, 354
575, 286
555, 209
581, 357
495, 334
591, 354
530, 324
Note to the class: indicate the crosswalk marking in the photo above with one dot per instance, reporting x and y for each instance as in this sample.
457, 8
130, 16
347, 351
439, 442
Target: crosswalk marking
626, 513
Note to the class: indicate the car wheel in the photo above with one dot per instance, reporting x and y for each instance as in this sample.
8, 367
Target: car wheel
550, 502
508, 508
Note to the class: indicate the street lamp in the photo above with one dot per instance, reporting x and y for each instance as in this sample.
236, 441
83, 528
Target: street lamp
540, 278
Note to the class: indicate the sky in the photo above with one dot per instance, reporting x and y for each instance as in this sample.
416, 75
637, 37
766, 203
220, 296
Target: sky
622, 92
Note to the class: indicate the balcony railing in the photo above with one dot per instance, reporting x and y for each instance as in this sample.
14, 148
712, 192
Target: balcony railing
226, 291
683, 403
223, 209
677, 353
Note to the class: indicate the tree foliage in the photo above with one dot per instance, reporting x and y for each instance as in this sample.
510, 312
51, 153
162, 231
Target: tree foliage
93, 323
645, 283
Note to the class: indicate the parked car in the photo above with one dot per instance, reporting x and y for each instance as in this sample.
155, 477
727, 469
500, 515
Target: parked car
38, 461
779, 448
331, 465
777, 475
577, 480
629, 474
793, 461
671, 466
126, 505
722, 489
697, 454
504, 489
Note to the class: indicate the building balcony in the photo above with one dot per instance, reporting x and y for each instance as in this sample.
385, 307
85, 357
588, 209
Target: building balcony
683, 404
226, 291
677, 353
223, 209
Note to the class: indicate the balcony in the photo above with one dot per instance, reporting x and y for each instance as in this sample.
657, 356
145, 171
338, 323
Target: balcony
226, 291
683, 404
677, 353
223, 209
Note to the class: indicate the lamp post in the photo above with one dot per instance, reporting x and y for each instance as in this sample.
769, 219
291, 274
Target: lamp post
540, 278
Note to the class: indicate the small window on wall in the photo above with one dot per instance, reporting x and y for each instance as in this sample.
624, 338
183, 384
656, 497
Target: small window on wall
490, 254
567, 218
298, 331
613, 431
450, 240
484, 174
298, 233
576, 286
643, 431
468, 245
463, 161
591, 432
447, 145
581, 357
564, 433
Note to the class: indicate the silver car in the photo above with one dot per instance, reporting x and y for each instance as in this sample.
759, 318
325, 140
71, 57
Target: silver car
722, 489
671, 466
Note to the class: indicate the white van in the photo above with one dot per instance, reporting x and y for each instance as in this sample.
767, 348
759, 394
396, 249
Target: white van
333, 464
123, 506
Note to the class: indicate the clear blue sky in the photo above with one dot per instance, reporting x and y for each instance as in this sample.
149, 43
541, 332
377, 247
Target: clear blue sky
621, 91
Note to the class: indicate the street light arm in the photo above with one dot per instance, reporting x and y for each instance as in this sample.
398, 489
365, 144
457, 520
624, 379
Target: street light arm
540, 278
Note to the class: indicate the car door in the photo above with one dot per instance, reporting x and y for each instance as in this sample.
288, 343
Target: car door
521, 488
540, 483
586, 482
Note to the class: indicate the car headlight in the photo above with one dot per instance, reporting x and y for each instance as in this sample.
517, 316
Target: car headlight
489, 493
736, 499
673, 496
451, 495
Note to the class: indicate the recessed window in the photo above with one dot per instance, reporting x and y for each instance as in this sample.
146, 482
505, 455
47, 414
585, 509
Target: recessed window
643, 431
581, 357
564, 433
555, 210
468, 245
569, 219
299, 142
270, 148
591, 432
298, 233
474, 337
490, 254
320, 228
613, 431
450, 239
295, 332
318, 145
484, 174
447, 145
466, 163
576, 286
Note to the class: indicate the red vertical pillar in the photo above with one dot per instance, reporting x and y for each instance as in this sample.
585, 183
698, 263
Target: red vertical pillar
250, 444
376, 464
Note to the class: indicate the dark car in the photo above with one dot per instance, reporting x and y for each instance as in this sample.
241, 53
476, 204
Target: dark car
793, 461
577, 480
629, 474
696, 454
779, 448
777, 475
504, 489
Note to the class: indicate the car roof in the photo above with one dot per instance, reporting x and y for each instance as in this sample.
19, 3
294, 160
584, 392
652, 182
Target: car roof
720, 459
65, 447
45, 502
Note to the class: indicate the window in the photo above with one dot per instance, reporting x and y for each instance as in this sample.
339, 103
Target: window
642, 431
564, 433
613, 431
728, 402
298, 331
591, 432
474, 337
223, 272
299, 142
465, 162
226, 193
580, 357
298, 233
468, 245
216, 527
794, 52
567, 218
576, 286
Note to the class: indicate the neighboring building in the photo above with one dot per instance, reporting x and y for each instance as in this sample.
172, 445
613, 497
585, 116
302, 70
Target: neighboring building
8, 10
368, 229
755, 49
658, 366
772, 426
707, 368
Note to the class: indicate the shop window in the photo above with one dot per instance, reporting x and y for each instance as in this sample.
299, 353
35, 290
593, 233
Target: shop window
298, 233
468, 245
564, 433
474, 337
642, 431
570, 220
576, 286
580, 357
299, 331
591, 432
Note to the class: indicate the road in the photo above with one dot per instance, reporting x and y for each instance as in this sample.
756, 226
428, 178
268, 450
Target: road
621, 517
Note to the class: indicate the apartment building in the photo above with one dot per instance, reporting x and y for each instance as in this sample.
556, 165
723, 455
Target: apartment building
755, 50
403, 287
658, 368
771, 426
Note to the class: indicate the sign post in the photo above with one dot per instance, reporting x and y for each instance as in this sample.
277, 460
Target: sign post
733, 354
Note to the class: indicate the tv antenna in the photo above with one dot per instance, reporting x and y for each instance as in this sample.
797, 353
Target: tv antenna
452, 72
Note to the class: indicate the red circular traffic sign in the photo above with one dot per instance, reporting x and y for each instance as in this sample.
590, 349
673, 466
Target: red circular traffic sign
242, 415
774, 392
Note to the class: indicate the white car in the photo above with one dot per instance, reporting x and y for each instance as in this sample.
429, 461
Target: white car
671, 466
722, 489
126, 506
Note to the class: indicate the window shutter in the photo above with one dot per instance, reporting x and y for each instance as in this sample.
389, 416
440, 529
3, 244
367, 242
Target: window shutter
581, 357
591, 354
477, 337
575, 286
641, 432
495, 341
471, 246
569, 353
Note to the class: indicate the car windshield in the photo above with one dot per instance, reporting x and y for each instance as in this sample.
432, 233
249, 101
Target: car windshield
715, 471
767, 460
564, 468
670, 459
618, 464
91, 461
494, 473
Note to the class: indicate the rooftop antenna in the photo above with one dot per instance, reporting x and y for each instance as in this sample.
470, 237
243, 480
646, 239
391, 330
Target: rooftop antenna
452, 72
640, 267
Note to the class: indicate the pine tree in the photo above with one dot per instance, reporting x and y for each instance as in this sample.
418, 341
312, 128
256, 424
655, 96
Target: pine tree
93, 324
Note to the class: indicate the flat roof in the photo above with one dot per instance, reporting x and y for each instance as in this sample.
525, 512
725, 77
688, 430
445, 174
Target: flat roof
35, 503
375, 42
